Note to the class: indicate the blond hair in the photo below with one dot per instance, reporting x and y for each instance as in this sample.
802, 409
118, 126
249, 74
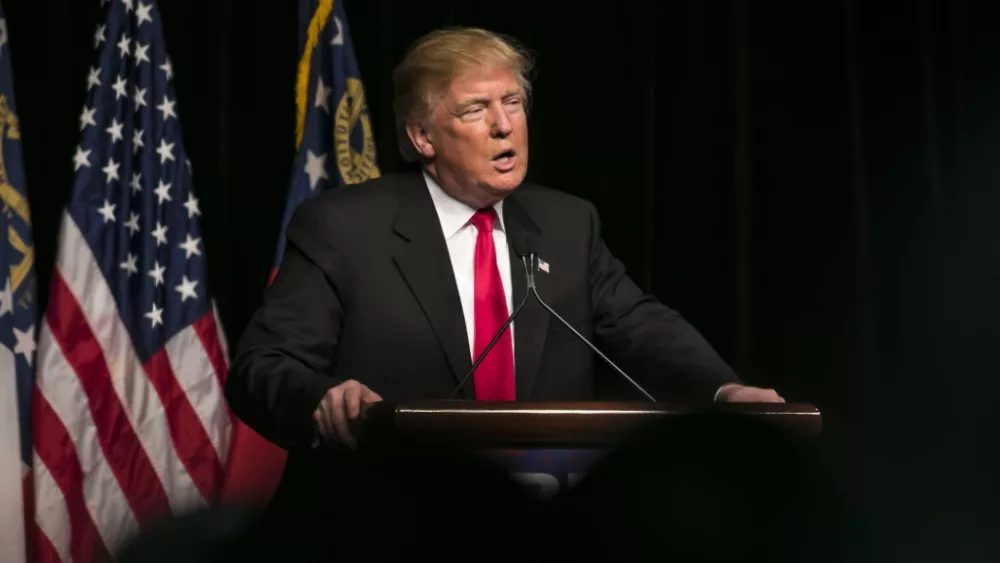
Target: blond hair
434, 60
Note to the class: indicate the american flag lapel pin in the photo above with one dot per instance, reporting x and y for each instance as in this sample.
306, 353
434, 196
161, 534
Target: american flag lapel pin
543, 266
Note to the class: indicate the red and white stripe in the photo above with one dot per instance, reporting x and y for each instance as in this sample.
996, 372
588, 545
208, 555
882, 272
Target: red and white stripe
119, 444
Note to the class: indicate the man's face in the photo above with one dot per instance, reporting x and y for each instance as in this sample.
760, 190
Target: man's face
476, 137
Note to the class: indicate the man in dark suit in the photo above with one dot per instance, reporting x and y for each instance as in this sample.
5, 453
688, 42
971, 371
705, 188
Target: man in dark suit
390, 288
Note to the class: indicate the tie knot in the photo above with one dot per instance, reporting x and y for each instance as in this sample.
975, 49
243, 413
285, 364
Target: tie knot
483, 219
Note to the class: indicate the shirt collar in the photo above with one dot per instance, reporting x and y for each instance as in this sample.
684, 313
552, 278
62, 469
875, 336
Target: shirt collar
453, 214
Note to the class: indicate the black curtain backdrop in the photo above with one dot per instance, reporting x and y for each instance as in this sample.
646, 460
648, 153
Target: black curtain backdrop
814, 185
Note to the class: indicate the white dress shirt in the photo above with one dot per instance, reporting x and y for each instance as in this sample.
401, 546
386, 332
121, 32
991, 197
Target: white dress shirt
461, 236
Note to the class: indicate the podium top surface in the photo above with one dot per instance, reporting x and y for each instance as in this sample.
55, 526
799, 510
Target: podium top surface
563, 424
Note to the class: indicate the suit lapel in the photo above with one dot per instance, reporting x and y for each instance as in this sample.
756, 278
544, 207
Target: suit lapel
531, 324
421, 254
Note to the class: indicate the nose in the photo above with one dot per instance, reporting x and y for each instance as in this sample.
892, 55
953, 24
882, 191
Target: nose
501, 122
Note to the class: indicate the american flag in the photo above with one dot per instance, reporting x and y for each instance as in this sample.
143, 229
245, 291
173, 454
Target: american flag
130, 421
18, 316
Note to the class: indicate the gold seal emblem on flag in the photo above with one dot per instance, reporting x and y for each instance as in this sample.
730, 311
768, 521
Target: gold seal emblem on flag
356, 163
13, 202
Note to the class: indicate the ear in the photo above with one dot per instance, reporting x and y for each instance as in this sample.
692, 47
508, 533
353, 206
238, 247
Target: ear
421, 138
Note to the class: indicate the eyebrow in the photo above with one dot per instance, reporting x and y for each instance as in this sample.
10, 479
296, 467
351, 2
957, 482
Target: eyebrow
484, 100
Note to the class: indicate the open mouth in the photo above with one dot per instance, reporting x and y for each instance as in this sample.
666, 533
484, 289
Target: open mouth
505, 158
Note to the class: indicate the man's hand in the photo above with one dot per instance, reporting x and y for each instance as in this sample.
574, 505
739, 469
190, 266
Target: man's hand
736, 393
339, 406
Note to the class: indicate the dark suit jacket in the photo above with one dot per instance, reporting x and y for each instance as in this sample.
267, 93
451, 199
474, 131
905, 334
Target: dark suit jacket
366, 291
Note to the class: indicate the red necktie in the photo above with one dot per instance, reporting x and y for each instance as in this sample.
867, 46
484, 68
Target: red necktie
494, 377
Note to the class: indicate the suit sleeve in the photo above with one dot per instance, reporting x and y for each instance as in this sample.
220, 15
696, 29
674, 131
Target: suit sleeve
285, 356
649, 340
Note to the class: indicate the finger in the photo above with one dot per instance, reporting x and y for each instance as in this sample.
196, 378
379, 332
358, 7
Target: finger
318, 420
320, 417
327, 414
371, 396
340, 421
352, 402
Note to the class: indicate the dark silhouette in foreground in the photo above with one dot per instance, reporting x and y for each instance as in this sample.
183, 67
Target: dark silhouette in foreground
719, 489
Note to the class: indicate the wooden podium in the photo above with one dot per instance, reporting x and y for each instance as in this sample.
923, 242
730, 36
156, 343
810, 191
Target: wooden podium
560, 425
550, 447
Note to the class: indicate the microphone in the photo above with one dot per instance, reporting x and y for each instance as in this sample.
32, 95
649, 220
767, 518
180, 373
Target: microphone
496, 338
528, 260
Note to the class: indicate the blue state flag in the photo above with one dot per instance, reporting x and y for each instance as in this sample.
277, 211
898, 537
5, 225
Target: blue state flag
334, 138
18, 316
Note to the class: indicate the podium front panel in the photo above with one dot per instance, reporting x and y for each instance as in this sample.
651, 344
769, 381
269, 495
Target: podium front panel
544, 472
